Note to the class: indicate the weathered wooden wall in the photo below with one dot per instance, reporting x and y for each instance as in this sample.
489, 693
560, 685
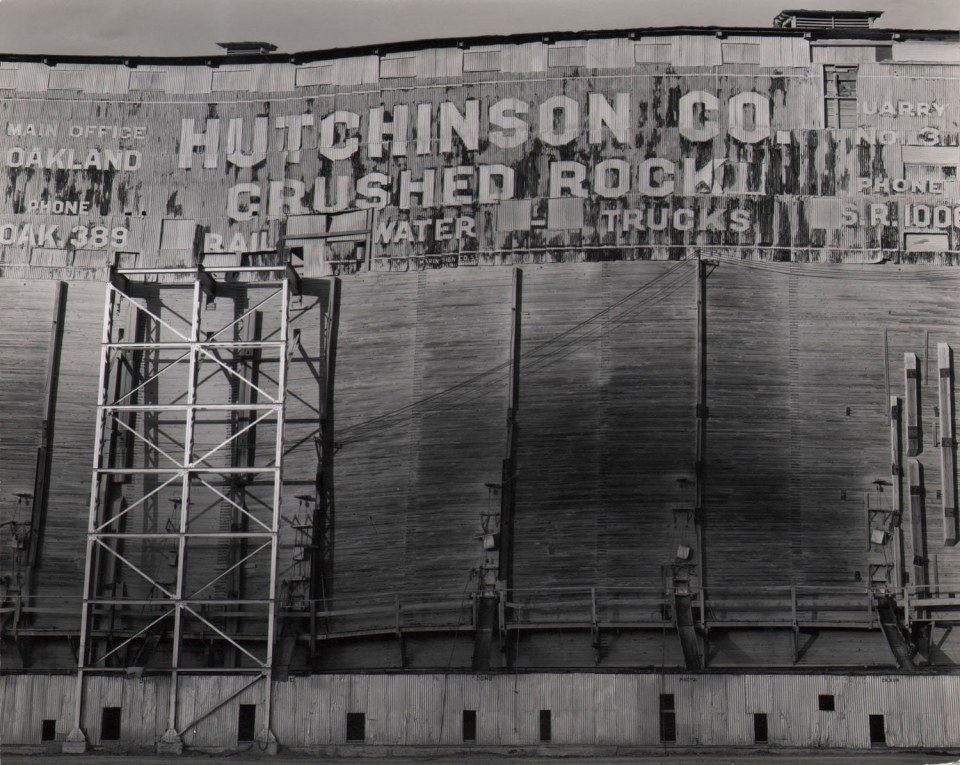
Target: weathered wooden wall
605, 422
420, 408
797, 431
60, 567
25, 333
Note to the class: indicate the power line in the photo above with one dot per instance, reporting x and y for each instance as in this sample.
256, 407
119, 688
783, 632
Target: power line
363, 426
845, 273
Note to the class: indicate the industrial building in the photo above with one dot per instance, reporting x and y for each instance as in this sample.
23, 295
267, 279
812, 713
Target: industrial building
585, 390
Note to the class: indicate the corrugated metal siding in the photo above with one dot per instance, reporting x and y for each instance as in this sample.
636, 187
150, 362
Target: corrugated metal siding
27, 700
425, 710
199, 695
605, 53
925, 51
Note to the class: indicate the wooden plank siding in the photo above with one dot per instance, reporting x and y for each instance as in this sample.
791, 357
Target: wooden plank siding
751, 521
422, 422
605, 423
61, 559
26, 316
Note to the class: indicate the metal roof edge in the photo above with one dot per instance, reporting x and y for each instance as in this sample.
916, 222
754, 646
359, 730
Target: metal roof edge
302, 57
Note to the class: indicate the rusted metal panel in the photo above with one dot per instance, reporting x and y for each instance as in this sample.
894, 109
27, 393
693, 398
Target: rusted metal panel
843, 54
145, 78
525, 58
316, 74
482, 58
566, 53
198, 79
697, 50
609, 54
68, 78
356, 70
9, 75
912, 51
270, 78
33, 77
233, 78
784, 51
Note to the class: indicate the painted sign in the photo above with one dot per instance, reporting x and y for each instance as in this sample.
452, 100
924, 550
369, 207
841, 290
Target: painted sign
633, 160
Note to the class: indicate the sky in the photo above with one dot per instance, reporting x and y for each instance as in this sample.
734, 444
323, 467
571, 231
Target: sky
194, 27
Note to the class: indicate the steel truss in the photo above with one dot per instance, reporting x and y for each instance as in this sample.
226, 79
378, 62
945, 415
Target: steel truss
117, 627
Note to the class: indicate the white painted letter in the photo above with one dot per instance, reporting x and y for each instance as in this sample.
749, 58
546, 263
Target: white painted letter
190, 139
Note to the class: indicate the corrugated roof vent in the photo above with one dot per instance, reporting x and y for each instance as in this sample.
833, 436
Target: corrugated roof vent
247, 48
798, 19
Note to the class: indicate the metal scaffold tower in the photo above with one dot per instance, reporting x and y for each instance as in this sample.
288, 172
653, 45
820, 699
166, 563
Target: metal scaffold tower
182, 542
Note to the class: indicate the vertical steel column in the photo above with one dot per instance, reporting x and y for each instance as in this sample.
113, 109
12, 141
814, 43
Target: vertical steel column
702, 414
496, 570
896, 474
321, 557
188, 438
948, 444
266, 739
76, 741
41, 488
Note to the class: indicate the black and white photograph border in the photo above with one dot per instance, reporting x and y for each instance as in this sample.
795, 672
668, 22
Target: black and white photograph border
467, 380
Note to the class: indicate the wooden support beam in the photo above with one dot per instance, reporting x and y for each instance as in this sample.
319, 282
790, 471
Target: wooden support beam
242, 454
911, 371
207, 283
497, 568
794, 623
321, 551
917, 541
896, 478
508, 489
296, 283
948, 445
686, 630
119, 281
401, 646
895, 632
41, 488
702, 413
596, 638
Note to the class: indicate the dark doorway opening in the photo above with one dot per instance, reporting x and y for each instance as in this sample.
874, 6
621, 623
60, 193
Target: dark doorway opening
760, 728
110, 724
545, 725
246, 722
878, 734
469, 725
668, 718
356, 724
